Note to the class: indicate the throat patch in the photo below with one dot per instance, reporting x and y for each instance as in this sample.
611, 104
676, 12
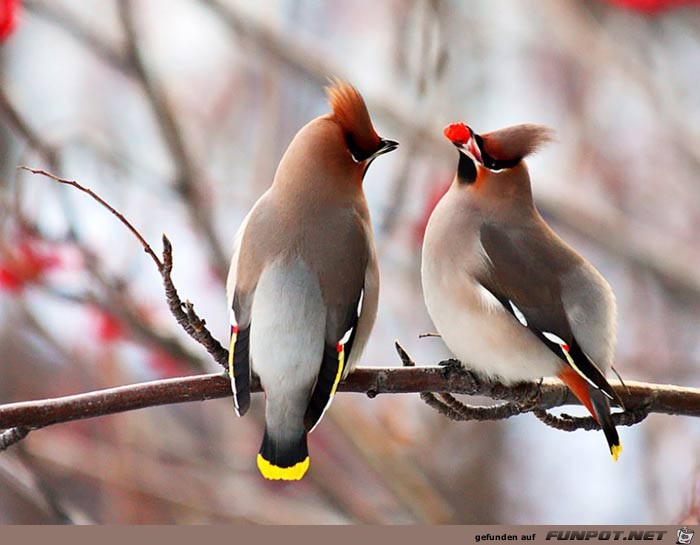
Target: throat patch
466, 171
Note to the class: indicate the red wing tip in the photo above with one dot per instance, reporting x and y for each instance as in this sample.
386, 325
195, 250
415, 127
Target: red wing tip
457, 133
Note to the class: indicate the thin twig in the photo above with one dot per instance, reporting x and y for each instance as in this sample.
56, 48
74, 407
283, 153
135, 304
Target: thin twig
618, 376
12, 436
406, 360
565, 422
147, 247
185, 314
479, 412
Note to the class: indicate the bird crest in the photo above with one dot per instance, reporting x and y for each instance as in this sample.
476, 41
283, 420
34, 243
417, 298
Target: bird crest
513, 144
350, 112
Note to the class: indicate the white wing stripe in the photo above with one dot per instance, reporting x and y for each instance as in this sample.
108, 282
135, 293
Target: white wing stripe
551, 337
346, 337
565, 349
518, 314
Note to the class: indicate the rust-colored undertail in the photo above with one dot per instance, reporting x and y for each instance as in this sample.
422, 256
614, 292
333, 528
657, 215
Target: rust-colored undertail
599, 407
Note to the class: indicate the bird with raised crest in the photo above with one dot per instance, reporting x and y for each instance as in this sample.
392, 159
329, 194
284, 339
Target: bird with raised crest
303, 283
510, 298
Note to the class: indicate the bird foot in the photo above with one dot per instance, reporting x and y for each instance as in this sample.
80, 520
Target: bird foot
533, 398
451, 366
454, 368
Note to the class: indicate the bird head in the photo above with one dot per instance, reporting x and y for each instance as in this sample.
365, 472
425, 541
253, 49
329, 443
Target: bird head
350, 112
498, 150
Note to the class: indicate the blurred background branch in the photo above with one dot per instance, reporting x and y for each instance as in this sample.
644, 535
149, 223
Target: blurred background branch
178, 112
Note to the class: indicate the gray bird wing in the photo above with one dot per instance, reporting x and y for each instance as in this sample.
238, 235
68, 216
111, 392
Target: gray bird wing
246, 266
526, 267
343, 257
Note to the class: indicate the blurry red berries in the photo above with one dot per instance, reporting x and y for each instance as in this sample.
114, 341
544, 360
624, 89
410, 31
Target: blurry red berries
652, 7
435, 193
164, 365
9, 10
26, 262
108, 328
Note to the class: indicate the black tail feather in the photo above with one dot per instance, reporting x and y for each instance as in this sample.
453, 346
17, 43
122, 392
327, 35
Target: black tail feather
323, 390
601, 405
241, 371
593, 373
283, 459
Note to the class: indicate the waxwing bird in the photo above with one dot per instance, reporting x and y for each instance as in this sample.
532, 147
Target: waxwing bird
303, 283
510, 298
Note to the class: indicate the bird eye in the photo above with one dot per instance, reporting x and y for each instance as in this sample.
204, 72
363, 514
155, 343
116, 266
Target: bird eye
358, 154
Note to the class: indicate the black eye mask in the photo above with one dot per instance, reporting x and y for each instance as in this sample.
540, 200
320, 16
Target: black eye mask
491, 163
357, 153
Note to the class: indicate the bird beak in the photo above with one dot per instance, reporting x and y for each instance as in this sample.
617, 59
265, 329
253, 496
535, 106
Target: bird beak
472, 149
385, 146
462, 137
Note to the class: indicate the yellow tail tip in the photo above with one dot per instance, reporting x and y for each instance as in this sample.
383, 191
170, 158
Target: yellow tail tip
275, 473
615, 450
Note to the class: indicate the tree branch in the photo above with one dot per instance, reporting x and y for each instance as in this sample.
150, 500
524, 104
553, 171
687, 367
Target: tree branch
371, 381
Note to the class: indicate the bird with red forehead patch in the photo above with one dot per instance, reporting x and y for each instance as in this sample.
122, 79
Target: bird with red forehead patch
509, 297
303, 284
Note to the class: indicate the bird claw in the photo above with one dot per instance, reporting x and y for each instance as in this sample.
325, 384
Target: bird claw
474, 382
451, 366
454, 368
533, 399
